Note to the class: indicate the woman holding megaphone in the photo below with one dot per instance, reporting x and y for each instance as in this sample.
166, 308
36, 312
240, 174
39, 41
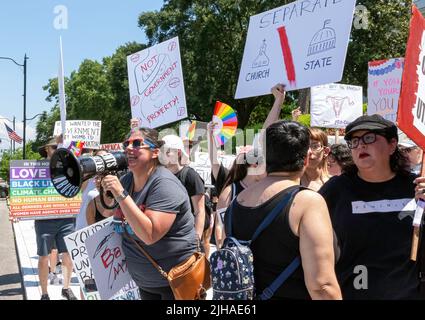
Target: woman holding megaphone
154, 213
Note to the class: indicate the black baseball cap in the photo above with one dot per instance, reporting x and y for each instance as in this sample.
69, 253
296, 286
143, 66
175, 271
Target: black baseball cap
375, 123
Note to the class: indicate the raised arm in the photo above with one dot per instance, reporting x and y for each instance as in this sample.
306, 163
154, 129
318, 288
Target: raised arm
279, 98
212, 151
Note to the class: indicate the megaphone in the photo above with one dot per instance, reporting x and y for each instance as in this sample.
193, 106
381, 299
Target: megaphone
68, 172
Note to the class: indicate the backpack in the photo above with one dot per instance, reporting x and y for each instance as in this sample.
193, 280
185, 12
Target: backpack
232, 266
208, 203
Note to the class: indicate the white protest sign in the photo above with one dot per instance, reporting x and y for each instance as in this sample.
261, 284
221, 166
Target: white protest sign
202, 165
301, 45
108, 261
335, 105
384, 85
81, 130
75, 244
156, 84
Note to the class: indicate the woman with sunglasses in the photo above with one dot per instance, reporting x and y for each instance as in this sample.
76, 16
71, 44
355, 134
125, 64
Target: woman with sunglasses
372, 206
156, 213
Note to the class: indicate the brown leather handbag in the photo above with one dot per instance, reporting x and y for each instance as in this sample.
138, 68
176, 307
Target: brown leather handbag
190, 279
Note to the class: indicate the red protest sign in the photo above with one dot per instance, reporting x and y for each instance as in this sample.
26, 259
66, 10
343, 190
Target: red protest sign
411, 111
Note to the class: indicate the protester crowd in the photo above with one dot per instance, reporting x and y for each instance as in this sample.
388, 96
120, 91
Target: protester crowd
349, 217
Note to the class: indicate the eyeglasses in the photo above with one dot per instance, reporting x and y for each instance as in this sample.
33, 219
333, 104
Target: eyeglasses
136, 143
367, 138
407, 150
316, 146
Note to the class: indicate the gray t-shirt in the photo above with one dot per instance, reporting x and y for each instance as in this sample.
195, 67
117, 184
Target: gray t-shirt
163, 192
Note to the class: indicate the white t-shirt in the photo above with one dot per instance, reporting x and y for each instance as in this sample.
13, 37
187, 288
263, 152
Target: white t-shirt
88, 194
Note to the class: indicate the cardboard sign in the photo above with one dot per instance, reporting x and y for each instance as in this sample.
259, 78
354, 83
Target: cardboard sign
108, 261
156, 85
411, 109
75, 244
32, 195
301, 45
335, 105
87, 131
202, 165
384, 83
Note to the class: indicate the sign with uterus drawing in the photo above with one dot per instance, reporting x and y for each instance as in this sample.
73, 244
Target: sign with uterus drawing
301, 44
335, 105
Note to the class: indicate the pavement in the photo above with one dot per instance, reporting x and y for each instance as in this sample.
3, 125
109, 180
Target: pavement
19, 264
10, 277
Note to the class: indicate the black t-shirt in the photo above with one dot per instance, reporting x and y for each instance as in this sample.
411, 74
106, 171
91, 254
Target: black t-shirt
221, 179
192, 181
274, 249
373, 223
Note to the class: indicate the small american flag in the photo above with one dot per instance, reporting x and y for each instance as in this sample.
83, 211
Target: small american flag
12, 134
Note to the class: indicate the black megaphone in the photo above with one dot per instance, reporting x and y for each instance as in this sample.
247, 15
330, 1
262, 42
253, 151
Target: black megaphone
68, 172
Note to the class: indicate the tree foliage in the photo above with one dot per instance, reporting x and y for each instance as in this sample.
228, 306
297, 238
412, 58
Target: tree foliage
212, 37
7, 156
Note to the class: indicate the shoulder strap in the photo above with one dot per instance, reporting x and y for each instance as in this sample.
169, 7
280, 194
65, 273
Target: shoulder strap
233, 187
157, 267
274, 213
289, 270
270, 290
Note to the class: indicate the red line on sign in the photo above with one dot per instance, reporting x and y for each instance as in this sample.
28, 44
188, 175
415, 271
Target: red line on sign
287, 55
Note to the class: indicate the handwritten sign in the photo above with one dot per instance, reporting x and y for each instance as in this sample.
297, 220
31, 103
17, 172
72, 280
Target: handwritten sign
32, 195
112, 146
202, 165
156, 85
411, 110
87, 131
384, 85
301, 45
75, 244
108, 261
335, 105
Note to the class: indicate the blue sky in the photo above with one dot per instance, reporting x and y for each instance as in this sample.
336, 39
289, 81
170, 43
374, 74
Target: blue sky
95, 29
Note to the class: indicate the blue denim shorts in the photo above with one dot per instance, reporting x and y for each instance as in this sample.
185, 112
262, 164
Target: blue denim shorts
50, 233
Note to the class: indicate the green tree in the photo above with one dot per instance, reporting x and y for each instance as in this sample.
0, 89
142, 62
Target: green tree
212, 37
96, 91
384, 36
17, 155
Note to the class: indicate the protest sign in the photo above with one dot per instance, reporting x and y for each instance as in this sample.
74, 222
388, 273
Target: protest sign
112, 146
202, 165
87, 131
384, 84
75, 244
335, 105
411, 107
301, 45
107, 261
156, 85
32, 195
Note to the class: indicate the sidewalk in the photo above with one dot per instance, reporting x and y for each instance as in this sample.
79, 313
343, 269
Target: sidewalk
10, 276
27, 251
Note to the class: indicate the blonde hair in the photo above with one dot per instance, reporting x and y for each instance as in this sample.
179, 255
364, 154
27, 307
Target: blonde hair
321, 136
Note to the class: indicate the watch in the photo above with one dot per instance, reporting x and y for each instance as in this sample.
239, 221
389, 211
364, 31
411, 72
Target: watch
121, 196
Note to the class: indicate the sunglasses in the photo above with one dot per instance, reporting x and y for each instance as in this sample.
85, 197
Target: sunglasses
139, 143
367, 138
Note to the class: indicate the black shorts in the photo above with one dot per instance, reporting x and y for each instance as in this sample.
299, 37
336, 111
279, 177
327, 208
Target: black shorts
51, 232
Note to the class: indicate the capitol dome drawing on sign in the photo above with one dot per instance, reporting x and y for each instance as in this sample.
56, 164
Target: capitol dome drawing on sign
323, 40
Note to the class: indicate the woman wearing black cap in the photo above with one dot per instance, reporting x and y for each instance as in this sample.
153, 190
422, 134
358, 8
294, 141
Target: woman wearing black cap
372, 206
